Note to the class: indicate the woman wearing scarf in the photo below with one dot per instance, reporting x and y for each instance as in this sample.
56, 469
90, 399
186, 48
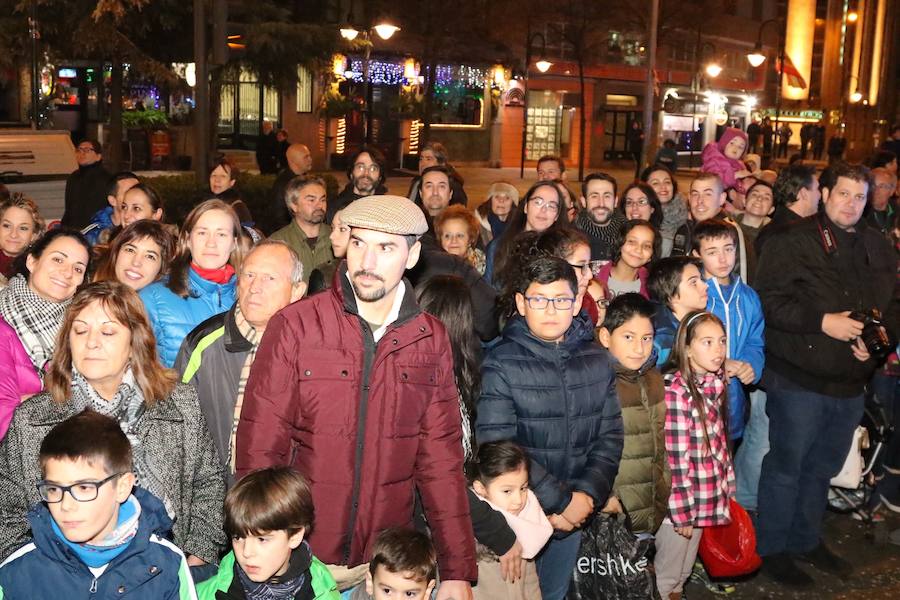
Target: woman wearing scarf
32, 308
201, 281
106, 362
493, 214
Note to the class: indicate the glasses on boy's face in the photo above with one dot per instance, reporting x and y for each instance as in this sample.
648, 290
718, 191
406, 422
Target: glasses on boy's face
541, 302
82, 491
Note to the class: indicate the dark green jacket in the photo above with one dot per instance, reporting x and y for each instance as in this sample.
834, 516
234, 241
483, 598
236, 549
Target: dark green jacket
643, 482
293, 236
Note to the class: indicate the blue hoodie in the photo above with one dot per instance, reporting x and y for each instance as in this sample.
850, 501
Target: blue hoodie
740, 309
150, 568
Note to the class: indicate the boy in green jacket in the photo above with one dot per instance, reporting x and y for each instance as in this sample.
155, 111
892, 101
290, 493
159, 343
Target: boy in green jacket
643, 482
267, 515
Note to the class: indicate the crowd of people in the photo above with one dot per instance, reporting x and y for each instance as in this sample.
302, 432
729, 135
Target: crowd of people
382, 396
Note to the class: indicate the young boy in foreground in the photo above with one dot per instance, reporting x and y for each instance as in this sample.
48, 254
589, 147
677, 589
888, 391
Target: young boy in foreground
95, 534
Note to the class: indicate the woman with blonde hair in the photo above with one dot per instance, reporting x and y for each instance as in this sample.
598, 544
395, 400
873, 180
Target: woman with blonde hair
201, 281
106, 362
493, 214
20, 225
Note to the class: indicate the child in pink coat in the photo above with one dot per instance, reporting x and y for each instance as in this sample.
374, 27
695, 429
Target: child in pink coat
724, 159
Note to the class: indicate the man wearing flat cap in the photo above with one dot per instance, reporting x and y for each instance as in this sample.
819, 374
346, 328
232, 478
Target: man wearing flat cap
354, 388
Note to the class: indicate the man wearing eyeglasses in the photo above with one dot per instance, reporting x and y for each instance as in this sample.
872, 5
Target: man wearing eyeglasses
87, 186
881, 208
366, 173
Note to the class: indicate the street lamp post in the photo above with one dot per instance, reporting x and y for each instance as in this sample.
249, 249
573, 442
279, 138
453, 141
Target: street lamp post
757, 58
543, 65
350, 33
712, 70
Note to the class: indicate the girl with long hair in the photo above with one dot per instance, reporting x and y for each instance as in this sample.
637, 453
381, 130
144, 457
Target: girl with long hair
696, 447
627, 272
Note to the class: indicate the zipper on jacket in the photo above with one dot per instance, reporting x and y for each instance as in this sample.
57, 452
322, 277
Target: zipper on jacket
370, 347
93, 589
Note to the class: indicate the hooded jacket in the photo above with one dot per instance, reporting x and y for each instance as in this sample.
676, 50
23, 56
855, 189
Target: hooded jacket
558, 401
173, 317
643, 482
175, 439
150, 568
367, 423
715, 161
741, 311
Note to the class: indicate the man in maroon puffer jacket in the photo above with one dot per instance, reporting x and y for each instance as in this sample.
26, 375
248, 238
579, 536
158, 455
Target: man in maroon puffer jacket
354, 388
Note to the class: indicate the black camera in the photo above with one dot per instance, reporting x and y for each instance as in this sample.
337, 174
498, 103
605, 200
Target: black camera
875, 336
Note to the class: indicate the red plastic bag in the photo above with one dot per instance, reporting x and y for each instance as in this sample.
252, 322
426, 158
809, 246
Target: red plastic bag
730, 550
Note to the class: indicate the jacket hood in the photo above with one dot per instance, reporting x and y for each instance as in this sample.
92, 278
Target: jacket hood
153, 520
729, 134
205, 286
581, 330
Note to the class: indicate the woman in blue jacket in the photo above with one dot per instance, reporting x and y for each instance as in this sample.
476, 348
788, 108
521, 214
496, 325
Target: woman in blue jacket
202, 278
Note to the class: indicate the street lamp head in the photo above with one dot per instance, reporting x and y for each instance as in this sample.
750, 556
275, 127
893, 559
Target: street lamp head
852, 16
855, 97
756, 57
543, 66
713, 70
349, 33
386, 30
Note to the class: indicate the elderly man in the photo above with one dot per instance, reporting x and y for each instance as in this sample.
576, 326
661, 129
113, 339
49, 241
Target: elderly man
354, 388
299, 162
881, 209
86, 188
216, 356
307, 233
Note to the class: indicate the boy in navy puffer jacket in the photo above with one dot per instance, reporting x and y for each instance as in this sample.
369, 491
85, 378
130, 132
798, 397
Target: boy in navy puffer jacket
93, 536
547, 386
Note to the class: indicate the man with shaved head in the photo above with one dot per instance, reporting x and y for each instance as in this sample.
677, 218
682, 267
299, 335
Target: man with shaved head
299, 162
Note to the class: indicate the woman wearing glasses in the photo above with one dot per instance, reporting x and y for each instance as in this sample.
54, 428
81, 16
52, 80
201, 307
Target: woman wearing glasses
106, 362
542, 209
639, 201
548, 387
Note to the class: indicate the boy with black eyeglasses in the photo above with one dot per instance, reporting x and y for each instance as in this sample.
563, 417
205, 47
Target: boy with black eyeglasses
95, 535
548, 387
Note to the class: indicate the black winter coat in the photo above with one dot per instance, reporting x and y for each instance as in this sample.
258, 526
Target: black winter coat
559, 402
799, 282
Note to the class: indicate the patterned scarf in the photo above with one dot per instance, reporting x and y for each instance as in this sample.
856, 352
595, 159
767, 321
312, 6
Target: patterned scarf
128, 408
36, 321
610, 234
282, 587
253, 336
675, 213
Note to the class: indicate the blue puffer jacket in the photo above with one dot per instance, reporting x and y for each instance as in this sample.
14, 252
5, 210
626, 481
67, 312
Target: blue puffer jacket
173, 317
151, 568
559, 402
740, 310
100, 222
665, 326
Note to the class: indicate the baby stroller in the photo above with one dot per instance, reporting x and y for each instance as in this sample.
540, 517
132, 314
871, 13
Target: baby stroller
847, 495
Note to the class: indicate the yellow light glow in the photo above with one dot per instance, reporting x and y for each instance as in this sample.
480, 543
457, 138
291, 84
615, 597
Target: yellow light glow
756, 58
852, 17
855, 97
801, 22
857, 60
713, 70
414, 137
499, 76
877, 43
338, 64
341, 137
410, 69
543, 66
348, 33
386, 30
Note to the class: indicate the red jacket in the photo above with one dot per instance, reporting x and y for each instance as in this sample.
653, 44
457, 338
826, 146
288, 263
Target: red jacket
365, 423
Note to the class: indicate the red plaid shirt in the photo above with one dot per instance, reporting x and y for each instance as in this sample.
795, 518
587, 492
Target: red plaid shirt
702, 476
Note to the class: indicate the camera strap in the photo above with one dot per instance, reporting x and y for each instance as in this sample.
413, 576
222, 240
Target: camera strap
826, 236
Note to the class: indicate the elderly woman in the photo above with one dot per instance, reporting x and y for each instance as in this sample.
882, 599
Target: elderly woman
106, 362
493, 214
456, 229
201, 282
140, 255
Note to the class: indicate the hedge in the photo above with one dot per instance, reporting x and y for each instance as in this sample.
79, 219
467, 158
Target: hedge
181, 193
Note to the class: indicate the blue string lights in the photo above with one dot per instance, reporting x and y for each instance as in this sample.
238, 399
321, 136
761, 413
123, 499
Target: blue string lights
391, 73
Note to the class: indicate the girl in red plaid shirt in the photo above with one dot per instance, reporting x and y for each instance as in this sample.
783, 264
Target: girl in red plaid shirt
696, 447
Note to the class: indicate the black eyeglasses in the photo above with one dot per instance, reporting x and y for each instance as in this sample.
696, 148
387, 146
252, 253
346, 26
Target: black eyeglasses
541, 302
81, 491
